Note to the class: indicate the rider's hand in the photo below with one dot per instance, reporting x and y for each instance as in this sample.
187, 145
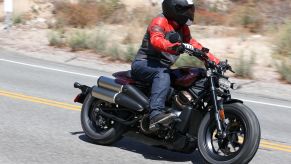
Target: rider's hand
193, 51
179, 48
223, 65
188, 48
205, 50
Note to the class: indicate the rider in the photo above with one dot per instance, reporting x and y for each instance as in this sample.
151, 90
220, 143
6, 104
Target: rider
156, 54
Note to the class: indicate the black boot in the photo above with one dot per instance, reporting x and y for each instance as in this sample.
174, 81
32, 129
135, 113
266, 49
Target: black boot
161, 118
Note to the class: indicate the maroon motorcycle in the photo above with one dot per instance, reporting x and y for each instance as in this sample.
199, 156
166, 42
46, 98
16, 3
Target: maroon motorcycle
223, 129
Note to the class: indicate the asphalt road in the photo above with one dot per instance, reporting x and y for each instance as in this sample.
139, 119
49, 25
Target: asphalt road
39, 123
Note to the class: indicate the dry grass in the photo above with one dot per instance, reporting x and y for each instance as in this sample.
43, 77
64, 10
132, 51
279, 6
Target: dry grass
56, 39
282, 51
143, 15
82, 39
285, 70
17, 19
244, 67
98, 41
206, 17
78, 40
85, 13
123, 53
283, 41
247, 16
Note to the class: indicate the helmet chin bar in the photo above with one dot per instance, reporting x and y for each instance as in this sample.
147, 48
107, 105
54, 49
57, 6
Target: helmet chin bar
189, 22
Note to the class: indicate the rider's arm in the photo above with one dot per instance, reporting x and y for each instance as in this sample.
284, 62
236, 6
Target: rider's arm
188, 39
157, 36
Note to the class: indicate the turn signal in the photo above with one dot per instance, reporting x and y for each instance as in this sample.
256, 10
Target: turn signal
221, 114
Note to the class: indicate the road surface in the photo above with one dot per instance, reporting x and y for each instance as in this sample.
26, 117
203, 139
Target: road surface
39, 123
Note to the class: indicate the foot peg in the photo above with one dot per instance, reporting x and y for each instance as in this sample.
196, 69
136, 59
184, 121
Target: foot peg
163, 120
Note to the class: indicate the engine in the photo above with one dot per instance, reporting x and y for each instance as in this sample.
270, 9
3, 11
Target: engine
181, 99
179, 102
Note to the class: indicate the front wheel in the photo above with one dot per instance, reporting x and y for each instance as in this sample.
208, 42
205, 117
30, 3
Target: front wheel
242, 136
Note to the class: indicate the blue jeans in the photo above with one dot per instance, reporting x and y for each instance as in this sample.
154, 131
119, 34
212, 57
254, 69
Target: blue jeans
158, 75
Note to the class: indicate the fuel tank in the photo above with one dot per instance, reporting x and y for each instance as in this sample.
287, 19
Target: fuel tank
185, 76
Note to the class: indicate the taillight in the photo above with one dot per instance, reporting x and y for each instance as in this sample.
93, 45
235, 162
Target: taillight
77, 99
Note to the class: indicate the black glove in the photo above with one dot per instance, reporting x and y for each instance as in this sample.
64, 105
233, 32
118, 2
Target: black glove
179, 49
193, 51
223, 66
205, 50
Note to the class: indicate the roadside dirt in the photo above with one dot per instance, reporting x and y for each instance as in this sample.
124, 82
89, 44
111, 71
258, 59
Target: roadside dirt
220, 40
33, 42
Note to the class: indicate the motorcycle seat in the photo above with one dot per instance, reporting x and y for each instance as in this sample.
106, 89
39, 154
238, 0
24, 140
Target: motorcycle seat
125, 77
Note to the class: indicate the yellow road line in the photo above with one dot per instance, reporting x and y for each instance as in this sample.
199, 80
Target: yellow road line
34, 98
263, 144
275, 148
42, 101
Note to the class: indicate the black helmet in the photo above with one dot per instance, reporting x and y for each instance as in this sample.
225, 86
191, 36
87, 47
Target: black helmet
181, 11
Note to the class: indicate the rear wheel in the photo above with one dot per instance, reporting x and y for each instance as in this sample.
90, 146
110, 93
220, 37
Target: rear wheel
242, 136
100, 129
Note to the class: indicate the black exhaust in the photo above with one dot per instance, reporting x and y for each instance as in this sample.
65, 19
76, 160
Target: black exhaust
128, 96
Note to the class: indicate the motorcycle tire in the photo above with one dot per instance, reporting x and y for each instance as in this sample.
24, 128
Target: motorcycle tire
101, 137
246, 121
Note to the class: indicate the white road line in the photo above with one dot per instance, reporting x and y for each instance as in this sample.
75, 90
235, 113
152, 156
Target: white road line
264, 103
48, 68
92, 76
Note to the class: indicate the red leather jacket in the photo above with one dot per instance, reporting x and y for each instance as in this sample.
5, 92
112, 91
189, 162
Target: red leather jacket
156, 45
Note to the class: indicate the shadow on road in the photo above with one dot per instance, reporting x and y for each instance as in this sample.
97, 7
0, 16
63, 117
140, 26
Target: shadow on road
152, 153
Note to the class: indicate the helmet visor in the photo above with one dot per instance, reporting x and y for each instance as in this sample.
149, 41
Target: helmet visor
187, 11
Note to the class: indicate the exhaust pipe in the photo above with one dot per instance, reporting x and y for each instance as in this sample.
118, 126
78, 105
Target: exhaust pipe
108, 83
125, 95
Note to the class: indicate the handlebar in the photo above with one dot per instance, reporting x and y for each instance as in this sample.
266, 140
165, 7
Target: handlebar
208, 63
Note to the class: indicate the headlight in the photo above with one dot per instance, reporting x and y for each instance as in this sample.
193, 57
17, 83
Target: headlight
224, 84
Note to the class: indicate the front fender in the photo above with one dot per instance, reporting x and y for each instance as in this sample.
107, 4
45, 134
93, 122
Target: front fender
232, 101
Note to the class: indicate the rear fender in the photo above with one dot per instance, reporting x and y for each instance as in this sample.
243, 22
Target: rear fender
85, 90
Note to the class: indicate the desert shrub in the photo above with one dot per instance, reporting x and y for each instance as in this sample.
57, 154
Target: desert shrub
247, 16
186, 60
78, 40
130, 53
56, 38
285, 70
283, 41
128, 39
143, 15
124, 53
114, 52
76, 15
84, 13
206, 17
282, 51
98, 41
244, 66
117, 15
17, 19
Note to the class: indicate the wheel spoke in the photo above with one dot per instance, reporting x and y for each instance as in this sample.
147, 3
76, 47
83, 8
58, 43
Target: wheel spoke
234, 140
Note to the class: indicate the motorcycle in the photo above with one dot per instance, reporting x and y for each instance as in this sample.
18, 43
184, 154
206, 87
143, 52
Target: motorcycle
224, 130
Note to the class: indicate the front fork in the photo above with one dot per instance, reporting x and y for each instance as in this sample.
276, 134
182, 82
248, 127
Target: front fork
217, 106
